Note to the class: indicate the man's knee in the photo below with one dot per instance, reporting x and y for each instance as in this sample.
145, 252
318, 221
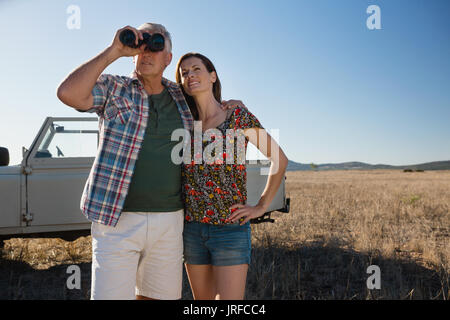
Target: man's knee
144, 298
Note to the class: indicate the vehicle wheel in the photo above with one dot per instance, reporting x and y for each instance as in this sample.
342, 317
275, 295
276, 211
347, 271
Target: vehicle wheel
4, 157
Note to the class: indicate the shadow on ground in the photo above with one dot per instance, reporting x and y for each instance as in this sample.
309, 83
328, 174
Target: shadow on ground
313, 271
324, 271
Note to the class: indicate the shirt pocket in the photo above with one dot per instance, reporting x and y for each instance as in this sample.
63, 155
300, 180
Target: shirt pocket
118, 110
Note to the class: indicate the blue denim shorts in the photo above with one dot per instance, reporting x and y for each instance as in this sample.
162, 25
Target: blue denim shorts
218, 245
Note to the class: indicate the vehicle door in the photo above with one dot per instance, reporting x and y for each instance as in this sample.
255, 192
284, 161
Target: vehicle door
57, 167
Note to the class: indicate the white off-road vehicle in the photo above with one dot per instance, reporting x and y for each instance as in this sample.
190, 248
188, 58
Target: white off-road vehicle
43, 192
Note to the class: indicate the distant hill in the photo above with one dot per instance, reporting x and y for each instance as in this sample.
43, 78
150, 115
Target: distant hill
437, 165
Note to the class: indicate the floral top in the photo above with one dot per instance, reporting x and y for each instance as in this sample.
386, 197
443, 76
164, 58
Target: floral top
210, 188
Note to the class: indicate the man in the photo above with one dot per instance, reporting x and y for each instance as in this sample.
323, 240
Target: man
133, 178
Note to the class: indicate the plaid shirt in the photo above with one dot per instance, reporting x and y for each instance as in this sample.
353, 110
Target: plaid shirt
122, 106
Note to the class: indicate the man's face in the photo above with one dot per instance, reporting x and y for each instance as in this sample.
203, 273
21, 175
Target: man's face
151, 64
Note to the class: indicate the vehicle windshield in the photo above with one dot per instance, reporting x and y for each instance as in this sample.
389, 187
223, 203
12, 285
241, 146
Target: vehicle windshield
66, 139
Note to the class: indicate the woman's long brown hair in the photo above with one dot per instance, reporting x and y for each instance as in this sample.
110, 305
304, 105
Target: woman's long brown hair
217, 88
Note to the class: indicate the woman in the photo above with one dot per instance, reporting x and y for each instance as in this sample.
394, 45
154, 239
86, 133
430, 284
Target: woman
217, 229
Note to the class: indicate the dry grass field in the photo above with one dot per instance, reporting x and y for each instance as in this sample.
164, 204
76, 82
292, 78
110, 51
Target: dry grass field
340, 223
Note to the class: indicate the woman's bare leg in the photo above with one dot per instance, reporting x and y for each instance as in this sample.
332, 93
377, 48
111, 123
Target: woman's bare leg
201, 280
230, 281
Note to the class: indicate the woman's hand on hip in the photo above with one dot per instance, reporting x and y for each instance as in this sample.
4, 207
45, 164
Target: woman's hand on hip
247, 212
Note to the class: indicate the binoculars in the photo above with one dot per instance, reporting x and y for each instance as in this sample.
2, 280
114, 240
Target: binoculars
153, 42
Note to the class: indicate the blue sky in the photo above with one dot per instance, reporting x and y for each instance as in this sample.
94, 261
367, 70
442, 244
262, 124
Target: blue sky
334, 89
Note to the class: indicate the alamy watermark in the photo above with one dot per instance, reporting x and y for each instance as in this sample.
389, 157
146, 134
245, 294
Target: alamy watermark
74, 280
374, 281
74, 20
218, 151
374, 20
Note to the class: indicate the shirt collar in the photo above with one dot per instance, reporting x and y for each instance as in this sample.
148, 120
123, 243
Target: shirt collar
134, 79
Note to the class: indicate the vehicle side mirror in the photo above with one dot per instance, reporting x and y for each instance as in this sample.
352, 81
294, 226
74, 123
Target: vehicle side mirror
4, 157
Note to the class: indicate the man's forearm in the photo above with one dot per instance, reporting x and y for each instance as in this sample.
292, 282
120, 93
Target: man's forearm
76, 89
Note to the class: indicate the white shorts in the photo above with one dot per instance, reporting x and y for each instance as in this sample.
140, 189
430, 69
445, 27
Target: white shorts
142, 255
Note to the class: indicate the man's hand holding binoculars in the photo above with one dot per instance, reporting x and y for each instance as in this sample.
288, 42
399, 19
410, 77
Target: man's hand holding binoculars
122, 50
76, 89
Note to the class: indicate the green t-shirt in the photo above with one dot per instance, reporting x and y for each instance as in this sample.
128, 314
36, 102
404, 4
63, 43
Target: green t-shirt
156, 182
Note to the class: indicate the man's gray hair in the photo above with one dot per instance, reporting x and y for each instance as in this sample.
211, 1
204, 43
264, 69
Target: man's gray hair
158, 28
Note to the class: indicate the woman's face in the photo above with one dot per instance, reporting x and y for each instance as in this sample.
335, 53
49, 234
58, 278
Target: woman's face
195, 78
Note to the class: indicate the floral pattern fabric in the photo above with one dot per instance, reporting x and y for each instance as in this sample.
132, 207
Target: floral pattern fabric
210, 189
